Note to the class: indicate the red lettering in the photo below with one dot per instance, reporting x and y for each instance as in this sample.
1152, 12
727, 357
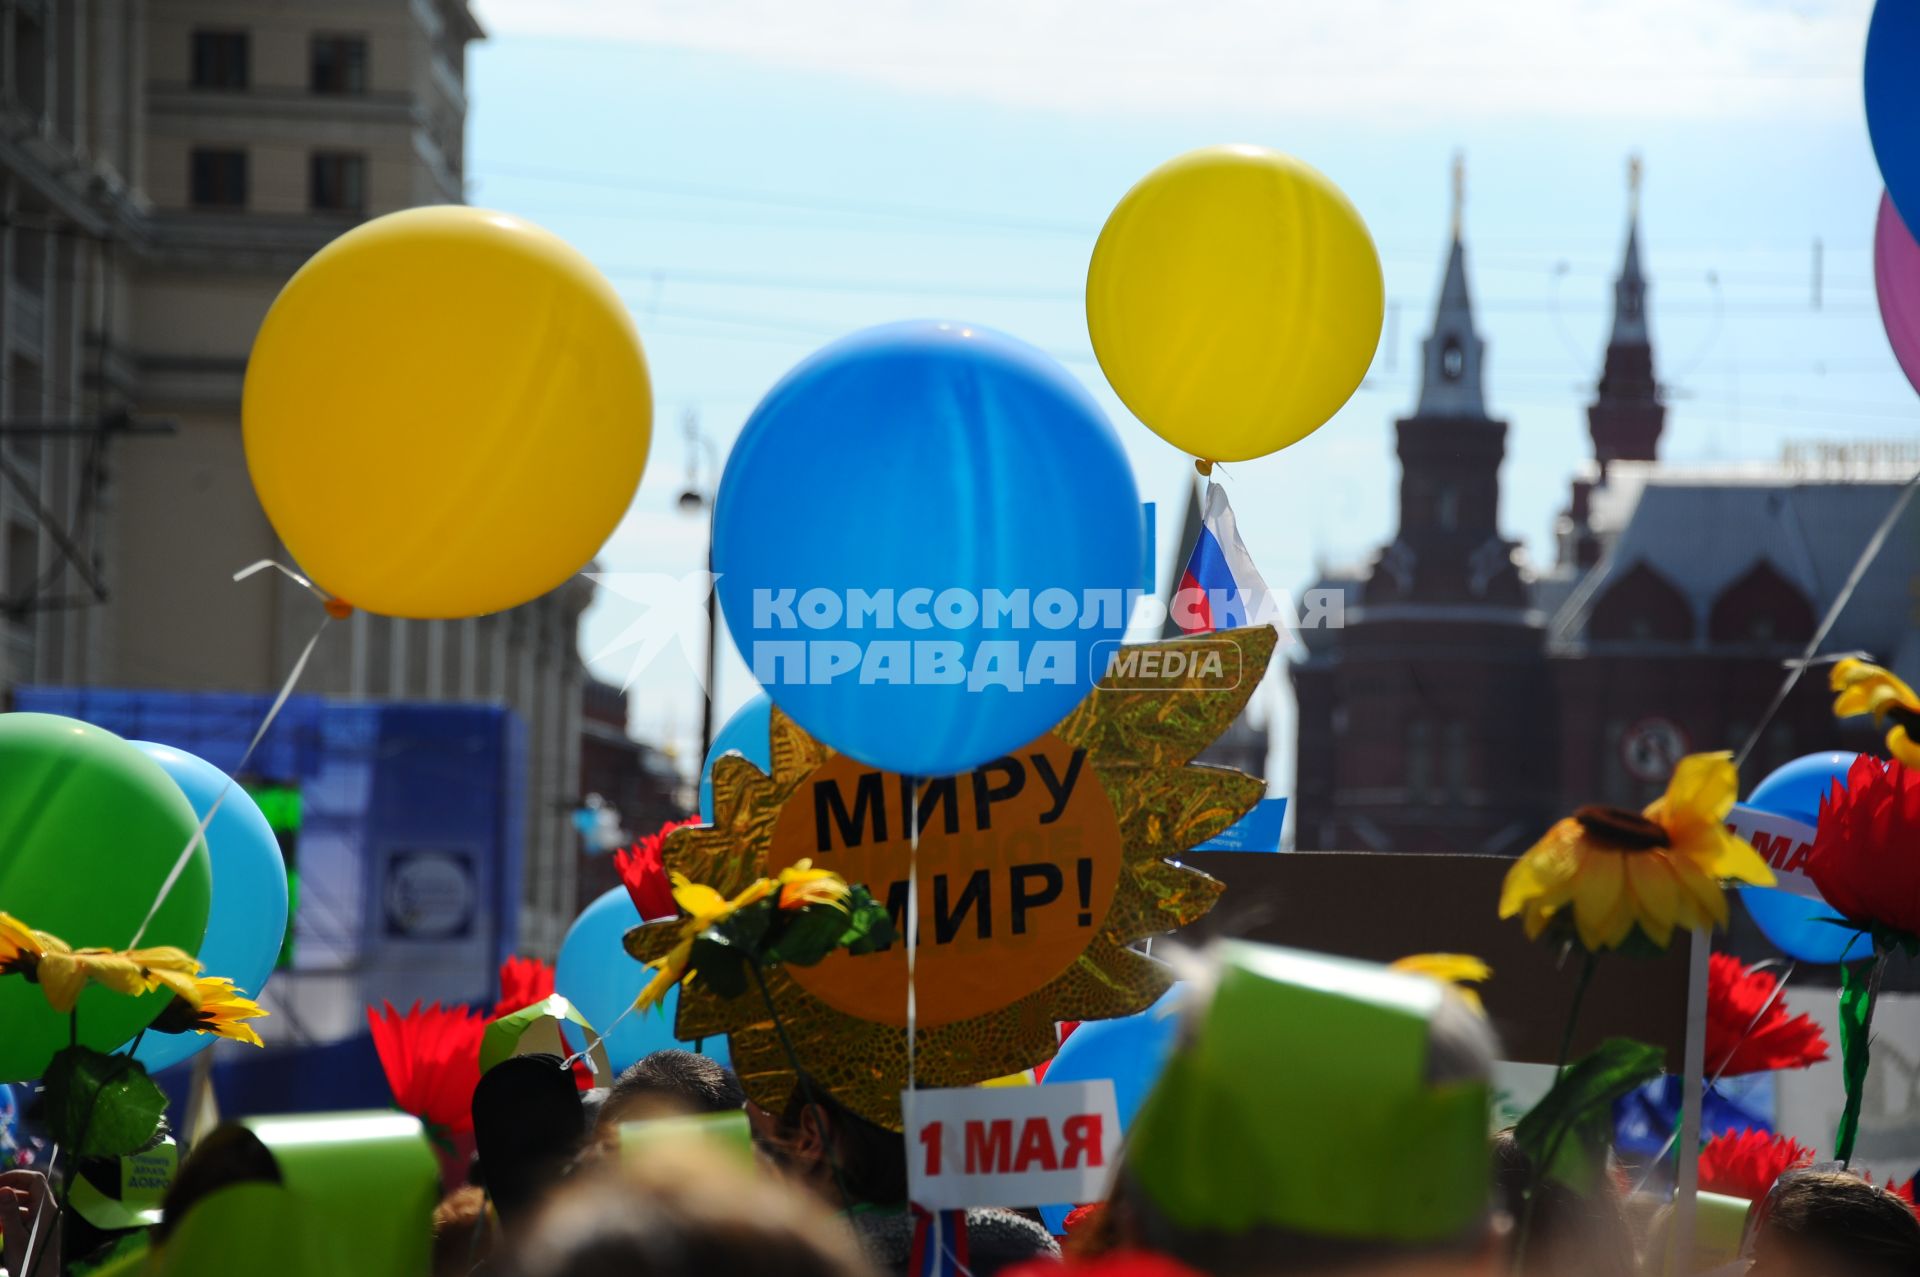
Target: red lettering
988, 1145
1800, 853
930, 1137
1770, 848
1082, 1135
1036, 1147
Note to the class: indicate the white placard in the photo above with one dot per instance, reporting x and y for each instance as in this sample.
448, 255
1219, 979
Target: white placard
1782, 843
1010, 1145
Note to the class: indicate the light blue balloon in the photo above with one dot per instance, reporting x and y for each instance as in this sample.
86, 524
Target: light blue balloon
1793, 923
749, 734
1131, 1051
927, 463
598, 976
247, 921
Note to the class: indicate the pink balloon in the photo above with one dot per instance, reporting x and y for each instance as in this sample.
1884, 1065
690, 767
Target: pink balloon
1896, 278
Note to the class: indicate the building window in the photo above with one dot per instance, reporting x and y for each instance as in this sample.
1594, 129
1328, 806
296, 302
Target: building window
219, 178
1420, 760
339, 64
1456, 755
1453, 360
337, 182
22, 567
1447, 508
220, 60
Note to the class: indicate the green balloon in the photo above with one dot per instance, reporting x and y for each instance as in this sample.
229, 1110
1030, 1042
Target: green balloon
89, 828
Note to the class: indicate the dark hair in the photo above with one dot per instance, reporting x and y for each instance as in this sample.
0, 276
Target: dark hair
1864, 1231
527, 1126
684, 1212
870, 1162
227, 1156
1570, 1234
697, 1083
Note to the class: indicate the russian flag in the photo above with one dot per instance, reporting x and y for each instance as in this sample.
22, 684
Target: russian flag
939, 1244
1220, 588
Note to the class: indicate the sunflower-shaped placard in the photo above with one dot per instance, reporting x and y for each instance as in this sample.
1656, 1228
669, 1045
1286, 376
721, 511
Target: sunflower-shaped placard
1035, 873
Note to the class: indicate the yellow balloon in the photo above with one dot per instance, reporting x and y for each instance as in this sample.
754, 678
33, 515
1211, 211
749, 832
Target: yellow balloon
447, 411
1234, 301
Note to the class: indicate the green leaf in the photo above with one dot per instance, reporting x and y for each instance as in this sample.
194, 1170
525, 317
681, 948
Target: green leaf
1565, 1133
746, 929
100, 1105
808, 935
868, 926
720, 966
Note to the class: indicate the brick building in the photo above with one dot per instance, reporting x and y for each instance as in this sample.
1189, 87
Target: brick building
1472, 698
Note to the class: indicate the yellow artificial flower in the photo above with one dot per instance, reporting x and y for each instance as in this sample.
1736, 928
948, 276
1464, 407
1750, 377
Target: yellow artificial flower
1863, 688
222, 1011
704, 908
1461, 970
63, 971
1660, 868
802, 885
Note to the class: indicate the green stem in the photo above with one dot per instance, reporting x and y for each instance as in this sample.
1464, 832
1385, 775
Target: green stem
1588, 963
827, 1135
1537, 1174
1855, 1072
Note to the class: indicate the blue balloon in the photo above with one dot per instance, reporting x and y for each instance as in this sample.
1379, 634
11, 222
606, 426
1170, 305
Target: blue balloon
1796, 925
747, 733
247, 922
1131, 1051
1893, 101
596, 973
925, 465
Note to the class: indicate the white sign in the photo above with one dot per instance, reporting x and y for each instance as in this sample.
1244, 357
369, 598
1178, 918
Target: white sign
1782, 843
1011, 1145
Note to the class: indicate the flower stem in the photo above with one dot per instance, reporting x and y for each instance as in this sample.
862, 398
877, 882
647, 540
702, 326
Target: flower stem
827, 1136
1537, 1174
1855, 1045
1589, 961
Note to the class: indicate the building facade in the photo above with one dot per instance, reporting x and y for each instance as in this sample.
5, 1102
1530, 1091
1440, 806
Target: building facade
1471, 698
166, 166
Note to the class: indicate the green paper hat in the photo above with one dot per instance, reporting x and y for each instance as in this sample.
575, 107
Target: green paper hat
728, 1132
538, 1030
369, 1179
1300, 1099
247, 1229
134, 1201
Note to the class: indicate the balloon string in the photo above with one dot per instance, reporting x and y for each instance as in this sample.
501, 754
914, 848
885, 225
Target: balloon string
1799, 667
586, 1052
913, 927
185, 857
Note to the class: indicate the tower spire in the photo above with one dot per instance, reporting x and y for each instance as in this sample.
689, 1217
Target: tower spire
1627, 416
1452, 354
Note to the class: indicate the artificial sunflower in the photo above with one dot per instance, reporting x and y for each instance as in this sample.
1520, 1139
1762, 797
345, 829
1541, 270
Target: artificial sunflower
1653, 869
62, 971
704, 908
1863, 688
1461, 970
221, 1011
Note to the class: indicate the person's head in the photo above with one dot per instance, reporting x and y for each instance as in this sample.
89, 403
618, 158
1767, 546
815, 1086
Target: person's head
1568, 1234
686, 1211
527, 1128
226, 1156
670, 1084
827, 1147
1829, 1223
1317, 1115
461, 1236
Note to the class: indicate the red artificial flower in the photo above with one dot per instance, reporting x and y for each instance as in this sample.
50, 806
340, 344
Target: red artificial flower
643, 869
1864, 858
1904, 1190
432, 1061
1081, 1217
1745, 1163
1115, 1263
1744, 1038
523, 982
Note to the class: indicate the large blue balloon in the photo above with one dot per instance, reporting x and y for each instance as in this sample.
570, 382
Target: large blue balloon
1131, 1051
925, 464
747, 733
597, 975
247, 921
1794, 923
1893, 101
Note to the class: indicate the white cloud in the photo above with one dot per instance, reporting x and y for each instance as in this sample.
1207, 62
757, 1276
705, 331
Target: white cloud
1375, 59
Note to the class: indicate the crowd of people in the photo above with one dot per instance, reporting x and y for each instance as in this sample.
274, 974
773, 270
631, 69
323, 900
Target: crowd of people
1316, 1116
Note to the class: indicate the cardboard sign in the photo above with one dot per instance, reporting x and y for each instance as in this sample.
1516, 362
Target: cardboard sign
1010, 1146
1782, 843
1258, 830
1018, 864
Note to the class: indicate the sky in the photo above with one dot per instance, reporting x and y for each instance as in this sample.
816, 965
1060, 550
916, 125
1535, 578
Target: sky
758, 177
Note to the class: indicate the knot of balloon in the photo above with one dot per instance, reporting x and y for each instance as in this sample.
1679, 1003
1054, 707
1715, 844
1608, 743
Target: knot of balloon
1204, 467
339, 609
